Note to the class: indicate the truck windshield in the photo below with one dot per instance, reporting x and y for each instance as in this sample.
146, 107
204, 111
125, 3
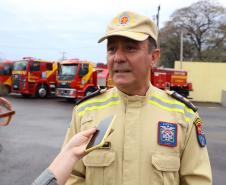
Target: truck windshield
5, 69
67, 72
20, 65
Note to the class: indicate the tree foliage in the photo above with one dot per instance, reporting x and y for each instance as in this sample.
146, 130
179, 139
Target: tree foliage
203, 24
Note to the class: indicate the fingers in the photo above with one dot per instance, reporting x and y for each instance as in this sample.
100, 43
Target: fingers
80, 139
89, 132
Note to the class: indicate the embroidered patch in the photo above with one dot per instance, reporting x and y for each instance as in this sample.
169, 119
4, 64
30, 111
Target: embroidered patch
200, 133
167, 134
124, 19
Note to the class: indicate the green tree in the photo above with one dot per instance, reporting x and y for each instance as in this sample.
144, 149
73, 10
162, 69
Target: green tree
203, 24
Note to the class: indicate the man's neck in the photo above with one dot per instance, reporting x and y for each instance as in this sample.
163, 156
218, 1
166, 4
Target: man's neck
132, 92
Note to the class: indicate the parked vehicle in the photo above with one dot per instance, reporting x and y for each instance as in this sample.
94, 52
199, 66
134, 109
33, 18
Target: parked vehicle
34, 77
103, 76
80, 78
171, 79
76, 79
5, 77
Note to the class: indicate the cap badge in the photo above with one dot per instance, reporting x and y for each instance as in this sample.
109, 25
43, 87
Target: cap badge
124, 20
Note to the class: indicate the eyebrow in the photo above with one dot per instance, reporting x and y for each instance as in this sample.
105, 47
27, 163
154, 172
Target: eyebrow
130, 41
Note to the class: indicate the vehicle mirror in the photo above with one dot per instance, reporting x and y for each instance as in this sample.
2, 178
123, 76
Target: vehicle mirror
6, 112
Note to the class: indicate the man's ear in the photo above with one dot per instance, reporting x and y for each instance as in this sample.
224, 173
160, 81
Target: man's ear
155, 55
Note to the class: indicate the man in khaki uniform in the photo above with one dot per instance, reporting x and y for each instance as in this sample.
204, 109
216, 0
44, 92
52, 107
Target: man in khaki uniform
157, 136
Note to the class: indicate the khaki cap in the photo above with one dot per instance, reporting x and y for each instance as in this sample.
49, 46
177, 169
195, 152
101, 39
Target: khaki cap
131, 25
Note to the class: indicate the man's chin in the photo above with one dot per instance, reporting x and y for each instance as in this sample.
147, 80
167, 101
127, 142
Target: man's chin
123, 84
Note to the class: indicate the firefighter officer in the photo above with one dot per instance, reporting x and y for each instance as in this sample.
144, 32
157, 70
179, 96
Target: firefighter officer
157, 135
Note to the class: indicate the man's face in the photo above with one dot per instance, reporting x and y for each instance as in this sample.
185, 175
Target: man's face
129, 63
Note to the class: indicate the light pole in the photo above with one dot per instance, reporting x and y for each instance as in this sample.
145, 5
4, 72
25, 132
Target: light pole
181, 47
63, 55
157, 16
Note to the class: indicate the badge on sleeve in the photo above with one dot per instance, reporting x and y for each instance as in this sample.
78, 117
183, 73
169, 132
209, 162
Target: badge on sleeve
167, 134
200, 133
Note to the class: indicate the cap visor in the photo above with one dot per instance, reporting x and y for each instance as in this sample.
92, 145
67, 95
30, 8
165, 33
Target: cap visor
131, 35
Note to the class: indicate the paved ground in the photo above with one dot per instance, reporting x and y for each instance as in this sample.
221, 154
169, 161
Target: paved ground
36, 133
32, 139
214, 117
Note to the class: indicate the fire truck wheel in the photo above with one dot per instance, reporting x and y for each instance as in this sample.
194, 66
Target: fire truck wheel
42, 91
89, 90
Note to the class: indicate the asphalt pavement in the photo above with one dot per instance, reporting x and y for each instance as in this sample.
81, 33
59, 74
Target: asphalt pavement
34, 137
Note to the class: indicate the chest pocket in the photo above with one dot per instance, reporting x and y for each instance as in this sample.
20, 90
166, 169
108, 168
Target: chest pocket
86, 122
166, 168
100, 167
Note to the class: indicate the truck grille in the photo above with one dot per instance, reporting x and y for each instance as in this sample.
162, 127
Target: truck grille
64, 85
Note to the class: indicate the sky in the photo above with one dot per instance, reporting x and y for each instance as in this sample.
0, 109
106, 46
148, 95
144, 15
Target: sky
51, 29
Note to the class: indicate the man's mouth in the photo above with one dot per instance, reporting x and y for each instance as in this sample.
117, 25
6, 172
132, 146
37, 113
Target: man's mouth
122, 71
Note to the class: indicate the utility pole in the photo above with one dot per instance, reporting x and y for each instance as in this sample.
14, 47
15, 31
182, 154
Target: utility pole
157, 16
181, 47
63, 55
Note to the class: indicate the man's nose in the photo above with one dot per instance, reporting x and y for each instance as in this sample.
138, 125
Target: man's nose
120, 56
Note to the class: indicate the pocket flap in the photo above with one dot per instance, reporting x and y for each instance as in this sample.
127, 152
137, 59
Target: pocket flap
165, 162
99, 158
86, 119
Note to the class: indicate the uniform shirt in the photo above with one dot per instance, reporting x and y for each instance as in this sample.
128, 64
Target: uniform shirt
138, 154
45, 178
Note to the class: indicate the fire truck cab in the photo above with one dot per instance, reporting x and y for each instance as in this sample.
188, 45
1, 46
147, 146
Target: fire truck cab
5, 77
34, 77
76, 79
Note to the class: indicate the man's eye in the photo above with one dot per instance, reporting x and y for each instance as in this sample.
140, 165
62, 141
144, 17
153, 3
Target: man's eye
131, 48
111, 49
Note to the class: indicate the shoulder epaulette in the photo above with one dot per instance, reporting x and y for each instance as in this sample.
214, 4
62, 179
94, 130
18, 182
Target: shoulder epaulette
182, 99
95, 93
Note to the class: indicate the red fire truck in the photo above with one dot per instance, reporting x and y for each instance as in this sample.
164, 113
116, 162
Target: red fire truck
76, 79
103, 78
34, 77
5, 77
171, 79
166, 79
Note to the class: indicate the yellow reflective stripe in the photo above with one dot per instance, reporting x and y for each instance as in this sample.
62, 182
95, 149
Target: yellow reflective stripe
164, 107
187, 118
188, 110
172, 106
97, 100
97, 104
167, 100
174, 102
98, 107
